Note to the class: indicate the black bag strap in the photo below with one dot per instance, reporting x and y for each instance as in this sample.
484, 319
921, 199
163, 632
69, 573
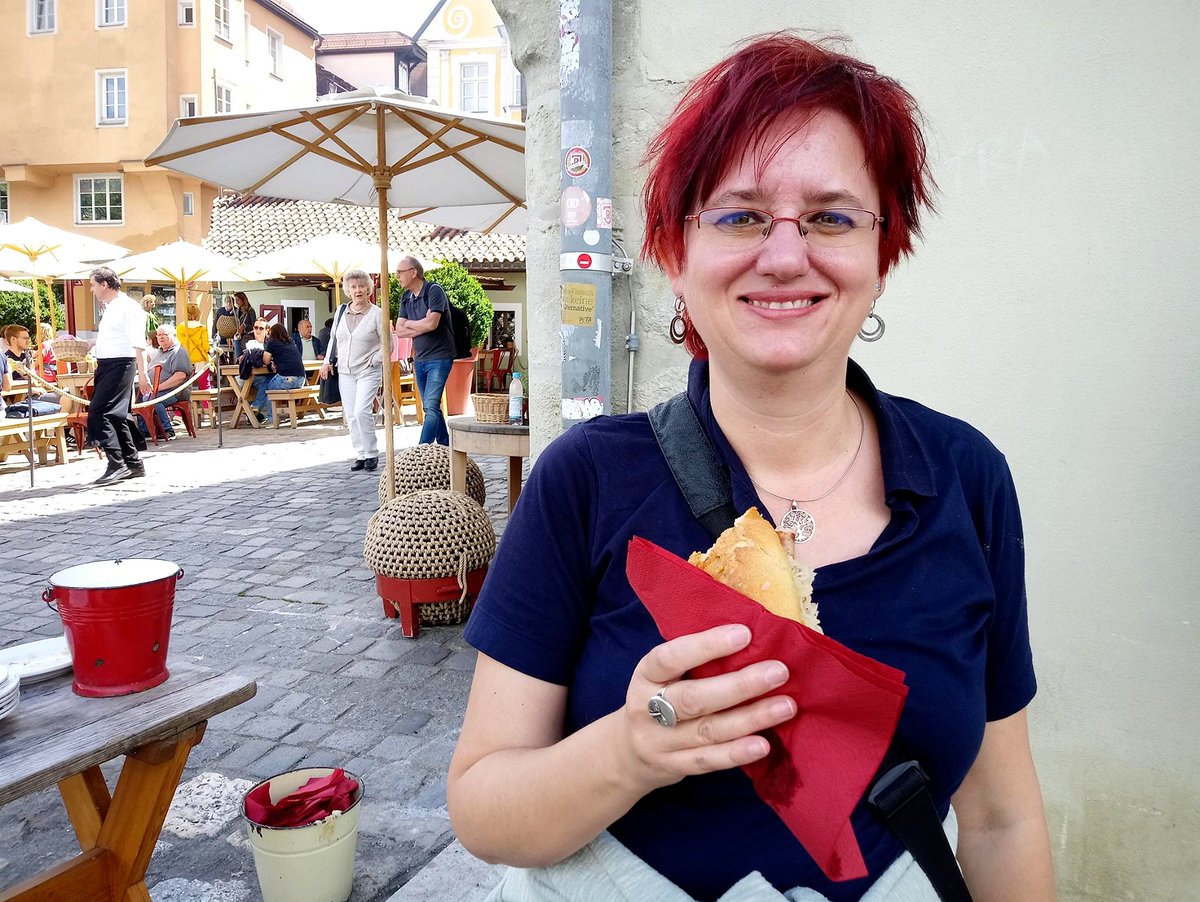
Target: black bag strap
331, 353
899, 792
693, 462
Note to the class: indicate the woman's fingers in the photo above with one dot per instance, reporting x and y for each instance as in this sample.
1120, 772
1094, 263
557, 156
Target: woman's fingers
671, 660
696, 698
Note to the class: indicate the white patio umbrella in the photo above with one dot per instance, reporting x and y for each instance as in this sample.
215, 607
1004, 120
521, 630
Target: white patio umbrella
371, 148
332, 255
183, 263
32, 249
6, 285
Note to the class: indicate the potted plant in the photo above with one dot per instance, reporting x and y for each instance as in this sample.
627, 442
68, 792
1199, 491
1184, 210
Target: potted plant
465, 292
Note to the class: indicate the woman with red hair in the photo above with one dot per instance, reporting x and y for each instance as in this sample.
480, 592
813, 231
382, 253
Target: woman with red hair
781, 194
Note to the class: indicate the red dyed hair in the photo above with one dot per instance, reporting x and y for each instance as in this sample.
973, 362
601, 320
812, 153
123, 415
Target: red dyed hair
729, 109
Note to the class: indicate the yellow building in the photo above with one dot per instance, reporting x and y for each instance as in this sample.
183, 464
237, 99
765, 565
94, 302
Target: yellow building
470, 66
94, 85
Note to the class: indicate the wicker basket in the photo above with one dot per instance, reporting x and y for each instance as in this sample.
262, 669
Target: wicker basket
226, 326
69, 349
490, 408
424, 467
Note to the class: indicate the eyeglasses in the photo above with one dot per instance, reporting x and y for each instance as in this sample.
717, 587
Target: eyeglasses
738, 227
260, 328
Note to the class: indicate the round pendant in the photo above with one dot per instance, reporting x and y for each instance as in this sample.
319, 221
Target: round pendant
800, 522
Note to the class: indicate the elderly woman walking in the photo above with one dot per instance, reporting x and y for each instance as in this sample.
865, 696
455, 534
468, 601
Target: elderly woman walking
355, 350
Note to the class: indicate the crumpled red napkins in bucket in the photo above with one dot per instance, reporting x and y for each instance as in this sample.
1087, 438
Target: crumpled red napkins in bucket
823, 759
315, 800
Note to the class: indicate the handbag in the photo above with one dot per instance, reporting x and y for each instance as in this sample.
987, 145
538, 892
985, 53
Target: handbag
329, 391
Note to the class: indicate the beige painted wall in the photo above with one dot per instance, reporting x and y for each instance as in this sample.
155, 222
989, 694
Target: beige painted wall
466, 32
1035, 310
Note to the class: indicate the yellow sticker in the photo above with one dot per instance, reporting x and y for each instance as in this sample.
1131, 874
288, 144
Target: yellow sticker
578, 304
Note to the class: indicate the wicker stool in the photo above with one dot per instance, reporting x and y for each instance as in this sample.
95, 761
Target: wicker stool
424, 467
431, 549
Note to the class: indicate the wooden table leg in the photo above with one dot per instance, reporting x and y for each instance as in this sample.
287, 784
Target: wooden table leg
86, 799
458, 471
139, 806
514, 482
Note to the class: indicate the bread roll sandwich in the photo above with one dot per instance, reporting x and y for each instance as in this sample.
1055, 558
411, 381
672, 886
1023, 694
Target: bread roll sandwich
751, 557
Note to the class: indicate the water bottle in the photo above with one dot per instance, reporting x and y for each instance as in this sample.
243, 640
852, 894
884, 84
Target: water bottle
516, 400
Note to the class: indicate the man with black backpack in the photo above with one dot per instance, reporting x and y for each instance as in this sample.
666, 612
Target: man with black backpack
425, 317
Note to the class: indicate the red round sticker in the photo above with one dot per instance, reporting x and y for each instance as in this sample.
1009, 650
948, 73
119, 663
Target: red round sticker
585, 261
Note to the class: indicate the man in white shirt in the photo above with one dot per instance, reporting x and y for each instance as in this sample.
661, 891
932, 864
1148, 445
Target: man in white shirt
120, 340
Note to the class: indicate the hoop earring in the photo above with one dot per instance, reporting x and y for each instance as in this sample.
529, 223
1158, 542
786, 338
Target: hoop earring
678, 327
876, 333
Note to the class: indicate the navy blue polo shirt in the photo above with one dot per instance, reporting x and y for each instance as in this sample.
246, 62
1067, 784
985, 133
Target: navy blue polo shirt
940, 595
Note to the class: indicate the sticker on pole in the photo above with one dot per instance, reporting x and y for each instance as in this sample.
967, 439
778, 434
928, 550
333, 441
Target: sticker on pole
577, 162
584, 261
578, 304
604, 212
576, 207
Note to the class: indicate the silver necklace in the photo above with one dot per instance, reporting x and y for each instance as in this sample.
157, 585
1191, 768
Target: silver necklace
797, 519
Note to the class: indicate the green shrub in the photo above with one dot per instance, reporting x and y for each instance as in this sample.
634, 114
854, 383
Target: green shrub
463, 290
17, 307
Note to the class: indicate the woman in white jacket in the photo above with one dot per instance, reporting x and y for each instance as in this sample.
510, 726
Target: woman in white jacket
356, 348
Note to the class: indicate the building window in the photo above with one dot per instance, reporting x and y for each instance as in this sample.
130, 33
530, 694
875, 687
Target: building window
110, 97
224, 98
99, 198
42, 16
110, 13
275, 49
189, 203
187, 13
474, 80
222, 19
516, 94
189, 105
3, 202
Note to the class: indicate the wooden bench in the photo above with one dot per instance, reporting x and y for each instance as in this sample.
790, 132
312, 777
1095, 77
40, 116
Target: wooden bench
299, 401
49, 432
200, 395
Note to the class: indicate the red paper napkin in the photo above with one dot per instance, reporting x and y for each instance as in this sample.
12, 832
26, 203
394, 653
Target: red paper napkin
316, 799
821, 760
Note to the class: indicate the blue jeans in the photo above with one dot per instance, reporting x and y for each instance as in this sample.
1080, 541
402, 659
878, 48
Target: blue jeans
273, 383
431, 378
160, 412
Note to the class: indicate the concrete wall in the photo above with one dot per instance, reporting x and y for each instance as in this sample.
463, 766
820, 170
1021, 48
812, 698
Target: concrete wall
1043, 307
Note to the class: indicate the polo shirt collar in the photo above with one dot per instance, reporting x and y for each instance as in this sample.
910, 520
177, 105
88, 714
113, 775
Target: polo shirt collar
907, 466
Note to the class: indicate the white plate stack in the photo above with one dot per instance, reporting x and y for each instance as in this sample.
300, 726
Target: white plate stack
10, 691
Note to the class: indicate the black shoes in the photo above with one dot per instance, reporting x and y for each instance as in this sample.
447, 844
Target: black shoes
115, 473
137, 470
358, 465
372, 463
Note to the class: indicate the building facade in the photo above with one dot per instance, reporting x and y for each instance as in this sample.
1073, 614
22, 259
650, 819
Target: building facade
470, 66
113, 75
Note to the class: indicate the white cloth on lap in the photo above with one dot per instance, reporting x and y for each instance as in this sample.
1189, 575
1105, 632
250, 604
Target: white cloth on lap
605, 871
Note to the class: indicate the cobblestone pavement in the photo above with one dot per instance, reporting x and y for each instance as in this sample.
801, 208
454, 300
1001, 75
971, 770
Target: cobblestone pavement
269, 531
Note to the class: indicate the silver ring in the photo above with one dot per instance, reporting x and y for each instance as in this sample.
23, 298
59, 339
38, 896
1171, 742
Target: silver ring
662, 710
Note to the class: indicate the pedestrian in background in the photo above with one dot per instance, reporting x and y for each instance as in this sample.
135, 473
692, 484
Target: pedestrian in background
356, 350
193, 336
425, 318
120, 341
279, 353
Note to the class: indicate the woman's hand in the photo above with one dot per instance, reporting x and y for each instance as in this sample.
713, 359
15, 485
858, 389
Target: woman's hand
716, 717
323, 373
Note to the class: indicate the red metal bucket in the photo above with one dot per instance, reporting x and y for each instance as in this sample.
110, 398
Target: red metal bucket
117, 619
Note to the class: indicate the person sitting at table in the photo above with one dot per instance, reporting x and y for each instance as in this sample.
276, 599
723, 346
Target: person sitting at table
16, 336
172, 367
193, 336
325, 332
280, 353
246, 317
309, 346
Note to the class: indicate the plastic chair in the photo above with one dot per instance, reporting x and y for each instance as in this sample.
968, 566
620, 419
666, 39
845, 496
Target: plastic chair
497, 367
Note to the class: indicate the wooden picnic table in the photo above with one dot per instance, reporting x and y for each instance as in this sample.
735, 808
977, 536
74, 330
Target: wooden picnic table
243, 391
58, 737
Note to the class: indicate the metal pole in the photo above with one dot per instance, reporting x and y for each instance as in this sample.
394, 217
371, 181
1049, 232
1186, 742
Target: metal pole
585, 82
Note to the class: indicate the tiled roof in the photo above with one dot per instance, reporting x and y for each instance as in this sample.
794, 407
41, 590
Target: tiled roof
364, 40
243, 227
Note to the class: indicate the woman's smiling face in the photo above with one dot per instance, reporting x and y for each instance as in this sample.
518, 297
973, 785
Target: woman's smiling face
785, 304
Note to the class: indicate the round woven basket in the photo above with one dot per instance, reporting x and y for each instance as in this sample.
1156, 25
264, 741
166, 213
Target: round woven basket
226, 326
431, 535
69, 349
424, 467
490, 408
